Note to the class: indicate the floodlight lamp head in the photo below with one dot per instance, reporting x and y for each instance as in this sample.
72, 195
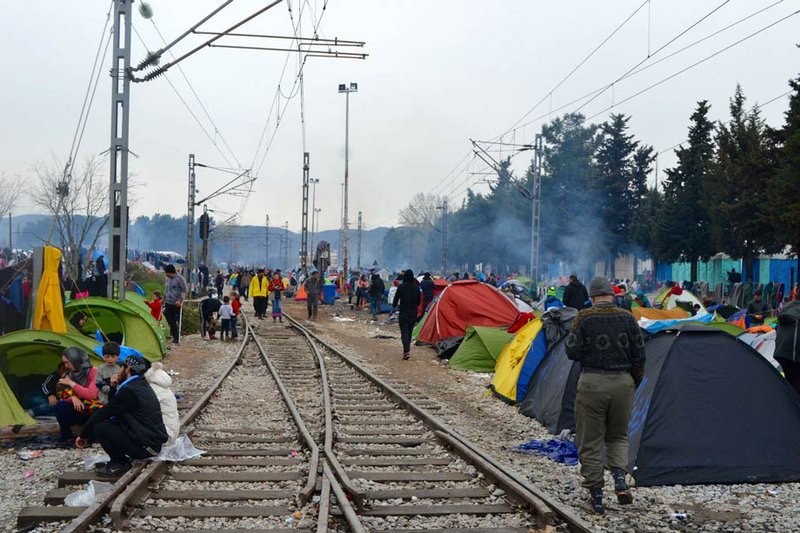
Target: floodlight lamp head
342, 88
146, 10
353, 87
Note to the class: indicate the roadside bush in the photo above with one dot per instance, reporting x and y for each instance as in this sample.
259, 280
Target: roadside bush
190, 323
149, 280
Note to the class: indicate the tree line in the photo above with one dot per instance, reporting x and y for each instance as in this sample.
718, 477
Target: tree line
733, 189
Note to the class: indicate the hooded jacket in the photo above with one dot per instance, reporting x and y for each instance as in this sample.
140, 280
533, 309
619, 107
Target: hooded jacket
161, 382
407, 295
259, 287
787, 336
135, 406
575, 295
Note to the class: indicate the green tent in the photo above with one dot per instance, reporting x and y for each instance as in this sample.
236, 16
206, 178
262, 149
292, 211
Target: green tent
415, 332
124, 321
26, 357
139, 300
480, 348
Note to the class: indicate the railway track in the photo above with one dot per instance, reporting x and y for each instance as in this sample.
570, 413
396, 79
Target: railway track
319, 444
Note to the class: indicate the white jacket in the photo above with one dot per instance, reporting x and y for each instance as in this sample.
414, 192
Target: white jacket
160, 382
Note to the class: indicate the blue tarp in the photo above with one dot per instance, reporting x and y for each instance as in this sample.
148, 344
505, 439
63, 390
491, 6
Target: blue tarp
560, 451
654, 326
535, 355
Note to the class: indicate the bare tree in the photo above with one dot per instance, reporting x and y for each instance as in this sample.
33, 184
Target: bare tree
10, 192
421, 211
78, 204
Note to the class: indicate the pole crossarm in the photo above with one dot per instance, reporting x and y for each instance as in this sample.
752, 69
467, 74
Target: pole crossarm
228, 187
309, 53
335, 41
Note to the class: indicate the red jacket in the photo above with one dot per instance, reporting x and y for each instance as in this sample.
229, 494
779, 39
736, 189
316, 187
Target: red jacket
236, 304
155, 308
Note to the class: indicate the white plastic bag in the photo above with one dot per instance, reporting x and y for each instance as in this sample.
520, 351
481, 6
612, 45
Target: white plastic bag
89, 462
181, 450
94, 491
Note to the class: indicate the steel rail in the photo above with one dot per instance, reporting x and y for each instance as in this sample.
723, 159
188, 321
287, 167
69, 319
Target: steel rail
544, 505
314, 463
133, 482
358, 494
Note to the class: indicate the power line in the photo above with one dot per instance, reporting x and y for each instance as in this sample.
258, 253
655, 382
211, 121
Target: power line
656, 84
575, 69
197, 97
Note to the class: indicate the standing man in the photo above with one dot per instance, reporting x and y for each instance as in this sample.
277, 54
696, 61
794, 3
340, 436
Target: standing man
407, 295
575, 294
313, 290
259, 290
610, 348
757, 310
219, 282
130, 426
376, 289
428, 288
173, 300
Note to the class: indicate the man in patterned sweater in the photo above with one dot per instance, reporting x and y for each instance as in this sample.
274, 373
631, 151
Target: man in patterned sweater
610, 348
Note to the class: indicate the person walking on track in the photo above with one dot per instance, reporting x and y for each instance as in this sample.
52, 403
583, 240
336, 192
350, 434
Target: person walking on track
313, 290
259, 290
610, 348
173, 300
407, 296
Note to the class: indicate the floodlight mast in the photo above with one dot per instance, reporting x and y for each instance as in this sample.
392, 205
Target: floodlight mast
346, 89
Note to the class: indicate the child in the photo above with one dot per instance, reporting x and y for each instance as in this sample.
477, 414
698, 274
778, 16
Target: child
107, 372
236, 305
155, 305
225, 314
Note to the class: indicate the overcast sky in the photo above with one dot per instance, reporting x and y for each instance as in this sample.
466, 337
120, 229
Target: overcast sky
438, 73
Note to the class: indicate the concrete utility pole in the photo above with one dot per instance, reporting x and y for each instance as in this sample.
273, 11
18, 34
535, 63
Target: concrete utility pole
536, 207
444, 237
190, 218
286, 245
360, 227
118, 150
313, 182
10, 239
304, 229
346, 89
266, 245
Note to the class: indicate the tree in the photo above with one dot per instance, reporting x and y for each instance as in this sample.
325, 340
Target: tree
743, 168
78, 205
10, 192
422, 218
785, 206
686, 223
569, 224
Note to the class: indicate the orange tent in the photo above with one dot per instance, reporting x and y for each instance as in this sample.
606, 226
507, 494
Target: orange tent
658, 314
302, 295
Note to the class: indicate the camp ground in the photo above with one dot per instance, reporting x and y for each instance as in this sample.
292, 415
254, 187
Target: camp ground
461, 304
26, 358
124, 322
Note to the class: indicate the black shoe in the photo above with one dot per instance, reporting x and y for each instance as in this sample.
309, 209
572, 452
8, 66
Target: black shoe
101, 464
596, 500
406, 356
624, 496
113, 469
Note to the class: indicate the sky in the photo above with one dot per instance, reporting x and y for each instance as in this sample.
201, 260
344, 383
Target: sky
438, 74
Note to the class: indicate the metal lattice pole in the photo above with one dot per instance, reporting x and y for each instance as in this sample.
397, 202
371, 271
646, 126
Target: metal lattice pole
360, 228
266, 245
190, 219
118, 150
304, 229
536, 208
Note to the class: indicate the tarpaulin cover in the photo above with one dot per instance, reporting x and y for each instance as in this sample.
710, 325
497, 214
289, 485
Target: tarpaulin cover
560, 451
461, 304
658, 314
48, 310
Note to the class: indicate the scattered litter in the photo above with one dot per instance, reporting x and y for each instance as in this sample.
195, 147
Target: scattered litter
343, 319
29, 474
293, 453
383, 337
92, 460
560, 451
27, 455
288, 520
298, 514
774, 491
173, 373
679, 516
181, 450
94, 491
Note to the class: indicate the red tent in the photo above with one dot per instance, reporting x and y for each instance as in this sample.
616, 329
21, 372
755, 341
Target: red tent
460, 304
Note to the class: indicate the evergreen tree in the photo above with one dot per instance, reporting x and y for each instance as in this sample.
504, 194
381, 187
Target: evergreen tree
684, 232
568, 218
784, 202
742, 171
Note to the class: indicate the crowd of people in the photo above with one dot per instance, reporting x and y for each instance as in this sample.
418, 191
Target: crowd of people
125, 404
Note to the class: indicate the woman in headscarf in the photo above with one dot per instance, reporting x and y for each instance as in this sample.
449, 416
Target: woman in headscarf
77, 392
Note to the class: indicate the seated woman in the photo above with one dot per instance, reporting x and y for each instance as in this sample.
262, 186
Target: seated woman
77, 392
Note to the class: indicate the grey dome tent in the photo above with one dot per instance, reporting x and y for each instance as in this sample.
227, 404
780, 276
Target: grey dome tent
710, 410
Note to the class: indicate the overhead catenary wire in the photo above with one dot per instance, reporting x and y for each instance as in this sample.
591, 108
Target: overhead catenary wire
197, 97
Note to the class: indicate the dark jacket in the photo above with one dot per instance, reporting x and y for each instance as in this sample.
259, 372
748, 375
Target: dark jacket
376, 287
427, 287
758, 308
209, 306
313, 286
407, 295
136, 407
606, 337
575, 295
787, 336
